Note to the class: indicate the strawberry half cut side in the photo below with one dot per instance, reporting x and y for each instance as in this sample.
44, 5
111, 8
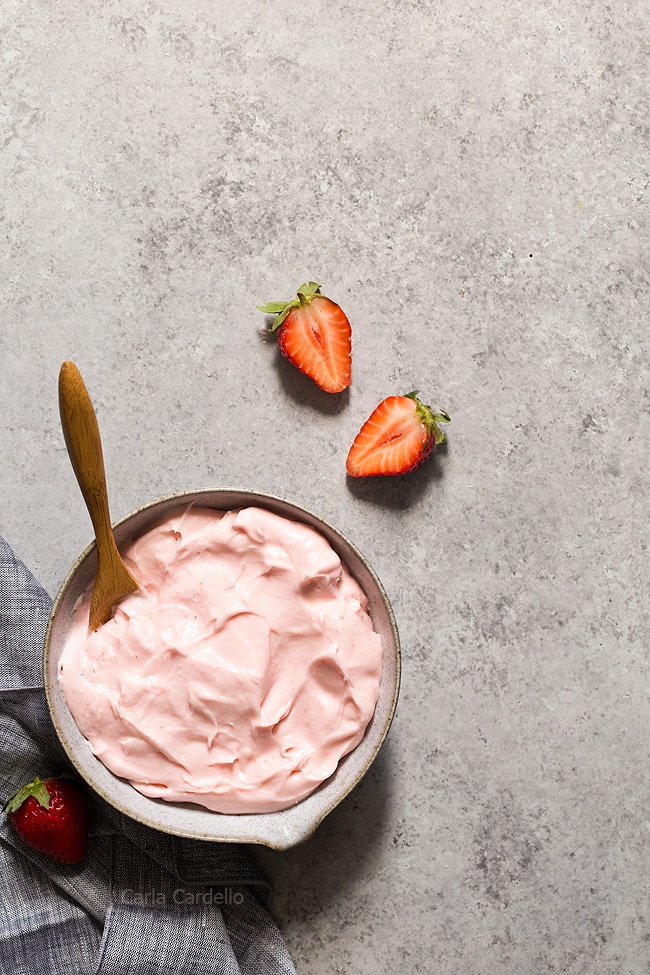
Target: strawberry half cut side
396, 438
51, 816
314, 333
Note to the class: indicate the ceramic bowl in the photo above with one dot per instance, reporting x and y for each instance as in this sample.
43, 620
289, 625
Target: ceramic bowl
279, 830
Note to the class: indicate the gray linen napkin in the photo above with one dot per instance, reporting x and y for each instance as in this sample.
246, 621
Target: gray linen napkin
141, 902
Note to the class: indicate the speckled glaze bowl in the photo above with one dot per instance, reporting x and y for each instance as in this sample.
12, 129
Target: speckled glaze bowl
279, 830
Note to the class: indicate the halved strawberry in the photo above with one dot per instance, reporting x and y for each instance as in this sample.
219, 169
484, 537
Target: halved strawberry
396, 438
314, 333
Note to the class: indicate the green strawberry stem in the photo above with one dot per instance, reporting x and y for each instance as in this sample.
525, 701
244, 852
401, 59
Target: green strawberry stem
37, 789
430, 419
306, 292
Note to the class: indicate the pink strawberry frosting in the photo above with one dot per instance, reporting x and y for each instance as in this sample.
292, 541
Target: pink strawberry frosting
240, 673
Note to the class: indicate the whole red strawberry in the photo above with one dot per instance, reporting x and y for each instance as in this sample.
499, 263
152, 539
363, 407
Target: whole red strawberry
396, 438
51, 816
314, 333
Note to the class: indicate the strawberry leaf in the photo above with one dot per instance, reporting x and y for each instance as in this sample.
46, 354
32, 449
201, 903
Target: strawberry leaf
272, 307
280, 309
37, 789
278, 320
308, 290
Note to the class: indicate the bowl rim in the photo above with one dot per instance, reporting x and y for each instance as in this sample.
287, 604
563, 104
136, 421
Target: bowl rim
275, 839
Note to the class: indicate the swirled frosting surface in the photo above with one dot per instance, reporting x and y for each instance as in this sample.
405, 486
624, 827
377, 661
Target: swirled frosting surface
241, 672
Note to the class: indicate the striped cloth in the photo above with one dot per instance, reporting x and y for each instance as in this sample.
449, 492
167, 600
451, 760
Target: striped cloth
141, 902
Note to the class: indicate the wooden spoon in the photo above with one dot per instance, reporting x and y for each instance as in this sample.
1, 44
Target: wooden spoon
81, 432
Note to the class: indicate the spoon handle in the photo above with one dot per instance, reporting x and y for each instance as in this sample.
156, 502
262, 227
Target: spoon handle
81, 433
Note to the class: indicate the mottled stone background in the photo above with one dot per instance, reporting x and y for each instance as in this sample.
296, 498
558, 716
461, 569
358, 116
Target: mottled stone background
470, 181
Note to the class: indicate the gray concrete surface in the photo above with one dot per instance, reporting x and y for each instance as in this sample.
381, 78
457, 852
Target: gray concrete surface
470, 182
